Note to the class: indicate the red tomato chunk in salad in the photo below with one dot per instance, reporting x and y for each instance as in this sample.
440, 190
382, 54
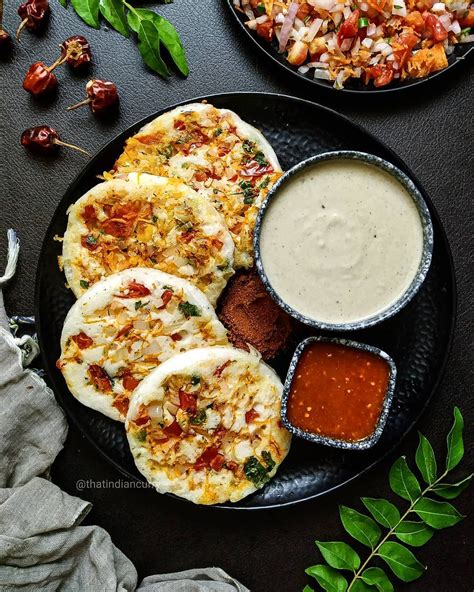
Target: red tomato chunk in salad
376, 41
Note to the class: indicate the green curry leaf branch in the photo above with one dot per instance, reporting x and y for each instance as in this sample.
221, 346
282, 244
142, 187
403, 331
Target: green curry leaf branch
412, 526
153, 31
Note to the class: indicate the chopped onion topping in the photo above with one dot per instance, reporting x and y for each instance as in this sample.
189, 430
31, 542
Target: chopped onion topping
322, 74
287, 26
313, 29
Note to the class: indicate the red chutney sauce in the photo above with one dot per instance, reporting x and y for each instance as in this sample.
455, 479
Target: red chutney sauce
338, 391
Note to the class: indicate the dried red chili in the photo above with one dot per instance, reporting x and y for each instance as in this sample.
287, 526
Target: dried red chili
39, 79
77, 51
33, 14
44, 140
101, 96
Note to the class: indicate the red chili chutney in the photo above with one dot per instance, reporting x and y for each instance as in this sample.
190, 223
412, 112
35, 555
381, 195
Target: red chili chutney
338, 391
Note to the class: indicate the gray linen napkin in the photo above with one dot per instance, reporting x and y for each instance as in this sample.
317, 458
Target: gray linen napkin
42, 544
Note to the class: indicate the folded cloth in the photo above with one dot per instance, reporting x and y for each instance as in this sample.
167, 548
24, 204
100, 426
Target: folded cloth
42, 543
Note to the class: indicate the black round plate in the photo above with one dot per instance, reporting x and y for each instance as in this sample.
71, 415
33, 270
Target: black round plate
418, 338
271, 53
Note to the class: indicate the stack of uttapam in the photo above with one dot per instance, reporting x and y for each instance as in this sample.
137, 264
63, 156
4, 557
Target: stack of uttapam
147, 253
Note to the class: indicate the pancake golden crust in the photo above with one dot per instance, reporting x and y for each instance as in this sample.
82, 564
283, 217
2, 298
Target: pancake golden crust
206, 425
126, 325
216, 153
146, 221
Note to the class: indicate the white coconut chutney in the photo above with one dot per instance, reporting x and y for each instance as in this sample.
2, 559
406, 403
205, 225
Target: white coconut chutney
341, 241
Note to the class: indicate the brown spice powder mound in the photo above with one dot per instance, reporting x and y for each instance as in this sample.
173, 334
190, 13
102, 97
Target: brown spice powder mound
252, 317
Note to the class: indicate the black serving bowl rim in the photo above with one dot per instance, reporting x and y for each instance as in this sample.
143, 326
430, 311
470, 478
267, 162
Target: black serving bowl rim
326, 440
427, 227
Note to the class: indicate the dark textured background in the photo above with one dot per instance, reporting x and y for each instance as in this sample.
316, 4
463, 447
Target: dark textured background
430, 128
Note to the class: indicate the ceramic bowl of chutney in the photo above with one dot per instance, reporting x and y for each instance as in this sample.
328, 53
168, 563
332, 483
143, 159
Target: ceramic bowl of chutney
338, 392
343, 240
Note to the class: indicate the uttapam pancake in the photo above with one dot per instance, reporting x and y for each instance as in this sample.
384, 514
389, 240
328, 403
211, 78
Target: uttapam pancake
146, 221
205, 425
216, 153
126, 325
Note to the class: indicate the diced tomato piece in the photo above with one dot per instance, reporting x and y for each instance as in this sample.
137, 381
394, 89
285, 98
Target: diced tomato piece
201, 176
174, 429
176, 337
149, 139
121, 403
382, 75
188, 236
187, 402
89, 216
166, 297
231, 465
179, 125
129, 382
265, 30
217, 462
251, 415
253, 169
406, 42
207, 457
135, 290
141, 420
99, 378
218, 244
349, 27
88, 243
124, 330
82, 340
468, 19
117, 228
433, 28
220, 369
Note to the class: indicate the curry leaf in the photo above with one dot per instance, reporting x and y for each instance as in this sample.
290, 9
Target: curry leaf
383, 511
452, 490
328, 578
360, 527
437, 514
378, 578
308, 589
149, 46
88, 10
171, 40
403, 482
339, 555
168, 35
455, 441
413, 533
63, 3
401, 561
114, 13
425, 460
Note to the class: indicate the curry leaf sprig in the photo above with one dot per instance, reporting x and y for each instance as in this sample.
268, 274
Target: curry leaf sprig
153, 31
430, 515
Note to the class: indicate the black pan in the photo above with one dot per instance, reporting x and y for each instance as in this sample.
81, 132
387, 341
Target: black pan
270, 53
418, 338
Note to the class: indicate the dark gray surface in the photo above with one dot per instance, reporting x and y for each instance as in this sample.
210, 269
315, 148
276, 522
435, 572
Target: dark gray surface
431, 129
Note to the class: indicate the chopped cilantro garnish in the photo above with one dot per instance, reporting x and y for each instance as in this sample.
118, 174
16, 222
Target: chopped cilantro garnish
465, 31
154, 218
224, 266
217, 132
248, 200
167, 288
84, 284
91, 240
167, 152
261, 8
248, 146
199, 418
245, 185
141, 435
195, 379
139, 304
260, 158
256, 472
264, 183
189, 310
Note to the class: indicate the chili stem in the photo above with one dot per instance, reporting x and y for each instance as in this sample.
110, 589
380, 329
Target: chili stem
61, 143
